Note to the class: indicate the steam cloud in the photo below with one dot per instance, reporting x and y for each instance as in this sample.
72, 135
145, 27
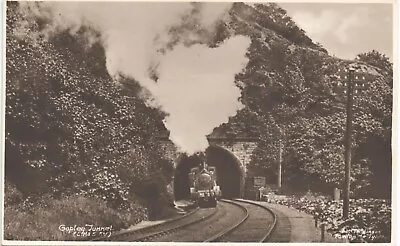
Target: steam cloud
195, 84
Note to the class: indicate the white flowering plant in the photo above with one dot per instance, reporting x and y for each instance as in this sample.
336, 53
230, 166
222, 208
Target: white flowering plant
369, 219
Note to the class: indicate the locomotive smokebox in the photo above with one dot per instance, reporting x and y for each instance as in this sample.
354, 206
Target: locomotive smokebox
205, 181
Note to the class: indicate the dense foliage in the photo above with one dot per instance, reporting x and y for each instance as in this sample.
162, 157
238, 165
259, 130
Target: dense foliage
70, 129
295, 103
369, 219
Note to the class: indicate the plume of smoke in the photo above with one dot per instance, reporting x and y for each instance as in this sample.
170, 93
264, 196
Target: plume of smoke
196, 87
195, 83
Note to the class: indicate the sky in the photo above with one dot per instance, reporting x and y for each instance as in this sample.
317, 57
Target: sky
346, 29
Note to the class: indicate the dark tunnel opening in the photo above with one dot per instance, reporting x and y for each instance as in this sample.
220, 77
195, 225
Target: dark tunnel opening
181, 179
228, 173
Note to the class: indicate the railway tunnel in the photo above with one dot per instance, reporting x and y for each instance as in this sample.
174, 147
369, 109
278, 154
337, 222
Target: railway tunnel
229, 172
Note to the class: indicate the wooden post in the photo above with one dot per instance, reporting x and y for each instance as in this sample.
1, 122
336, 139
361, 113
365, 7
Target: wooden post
279, 182
347, 155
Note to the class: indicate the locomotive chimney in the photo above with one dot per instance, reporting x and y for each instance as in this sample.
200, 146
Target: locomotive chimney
202, 159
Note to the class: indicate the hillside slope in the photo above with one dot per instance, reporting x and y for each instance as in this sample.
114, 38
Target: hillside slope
293, 90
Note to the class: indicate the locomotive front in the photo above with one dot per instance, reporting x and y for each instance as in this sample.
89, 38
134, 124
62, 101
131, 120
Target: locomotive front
204, 190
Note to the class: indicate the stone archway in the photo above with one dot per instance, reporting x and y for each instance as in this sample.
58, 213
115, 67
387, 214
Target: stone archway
230, 173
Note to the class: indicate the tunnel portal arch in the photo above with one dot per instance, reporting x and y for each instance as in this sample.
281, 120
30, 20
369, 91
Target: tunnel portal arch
230, 173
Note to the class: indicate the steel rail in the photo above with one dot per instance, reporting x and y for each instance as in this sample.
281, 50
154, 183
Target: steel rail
227, 231
176, 228
272, 228
147, 228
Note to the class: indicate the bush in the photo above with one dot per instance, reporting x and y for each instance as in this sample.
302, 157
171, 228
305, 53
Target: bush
44, 221
369, 219
71, 129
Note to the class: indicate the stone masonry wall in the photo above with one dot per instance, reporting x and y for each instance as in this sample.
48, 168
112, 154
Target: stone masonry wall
241, 149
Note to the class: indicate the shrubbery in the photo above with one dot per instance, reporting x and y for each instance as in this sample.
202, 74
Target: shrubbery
369, 219
78, 144
42, 222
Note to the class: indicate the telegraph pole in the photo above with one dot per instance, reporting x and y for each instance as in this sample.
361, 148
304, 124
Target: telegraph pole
352, 84
348, 140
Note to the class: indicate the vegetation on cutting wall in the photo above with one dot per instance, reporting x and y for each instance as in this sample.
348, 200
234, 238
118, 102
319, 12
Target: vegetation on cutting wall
74, 136
82, 148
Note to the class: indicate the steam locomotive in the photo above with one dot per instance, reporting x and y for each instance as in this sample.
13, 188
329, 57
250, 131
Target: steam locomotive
204, 190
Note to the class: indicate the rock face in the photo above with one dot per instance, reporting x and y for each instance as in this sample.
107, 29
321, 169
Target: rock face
268, 23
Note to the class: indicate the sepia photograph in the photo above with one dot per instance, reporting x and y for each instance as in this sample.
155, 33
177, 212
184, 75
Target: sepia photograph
216, 122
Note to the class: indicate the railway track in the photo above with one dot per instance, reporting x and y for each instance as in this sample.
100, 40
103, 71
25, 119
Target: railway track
256, 226
230, 221
169, 226
228, 213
